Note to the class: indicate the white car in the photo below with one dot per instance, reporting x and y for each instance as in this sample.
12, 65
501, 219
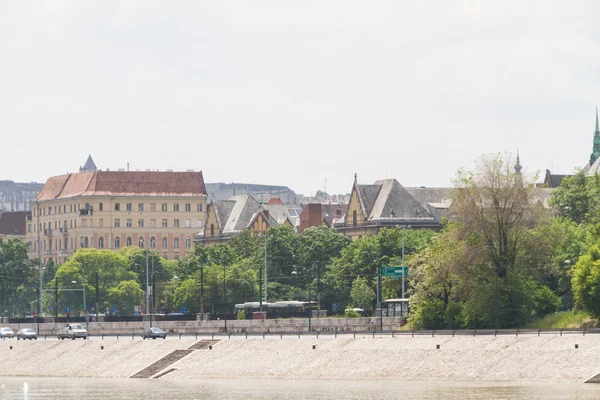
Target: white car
26, 333
73, 332
6, 332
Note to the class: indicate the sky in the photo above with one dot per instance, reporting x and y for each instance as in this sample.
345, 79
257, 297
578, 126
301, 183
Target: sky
297, 93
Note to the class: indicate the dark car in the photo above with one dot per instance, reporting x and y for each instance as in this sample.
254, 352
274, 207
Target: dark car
153, 333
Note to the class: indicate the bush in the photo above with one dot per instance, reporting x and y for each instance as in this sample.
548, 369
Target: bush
241, 314
350, 313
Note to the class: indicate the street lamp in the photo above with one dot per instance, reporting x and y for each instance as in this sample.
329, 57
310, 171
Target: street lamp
403, 227
84, 303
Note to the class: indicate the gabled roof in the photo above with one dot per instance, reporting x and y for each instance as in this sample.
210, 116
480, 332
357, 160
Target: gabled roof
395, 202
124, 183
367, 194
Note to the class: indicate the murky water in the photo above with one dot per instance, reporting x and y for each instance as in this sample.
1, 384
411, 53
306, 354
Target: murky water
93, 389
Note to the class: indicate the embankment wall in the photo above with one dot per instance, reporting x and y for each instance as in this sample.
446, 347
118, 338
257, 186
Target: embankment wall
490, 359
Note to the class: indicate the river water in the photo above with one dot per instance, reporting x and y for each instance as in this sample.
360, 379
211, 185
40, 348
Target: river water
96, 389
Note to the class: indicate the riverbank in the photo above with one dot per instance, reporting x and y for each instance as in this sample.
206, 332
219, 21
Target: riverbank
458, 359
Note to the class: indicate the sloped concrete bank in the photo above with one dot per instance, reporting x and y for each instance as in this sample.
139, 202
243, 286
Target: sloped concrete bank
487, 359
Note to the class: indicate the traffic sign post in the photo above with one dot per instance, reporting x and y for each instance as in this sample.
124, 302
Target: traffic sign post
395, 272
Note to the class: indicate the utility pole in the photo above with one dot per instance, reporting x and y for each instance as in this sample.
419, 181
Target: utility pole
266, 298
402, 262
97, 294
319, 286
380, 298
55, 297
147, 285
202, 292
153, 308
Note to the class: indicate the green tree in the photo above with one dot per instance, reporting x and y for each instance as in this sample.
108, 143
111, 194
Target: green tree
18, 278
362, 295
578, 198
125, 296
586, 281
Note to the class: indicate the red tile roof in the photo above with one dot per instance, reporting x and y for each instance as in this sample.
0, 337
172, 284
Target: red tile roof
275, 200
124, 183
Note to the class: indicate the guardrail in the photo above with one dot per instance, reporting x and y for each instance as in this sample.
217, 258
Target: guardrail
346, 334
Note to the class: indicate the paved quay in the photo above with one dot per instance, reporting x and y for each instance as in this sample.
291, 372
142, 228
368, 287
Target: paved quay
550, 358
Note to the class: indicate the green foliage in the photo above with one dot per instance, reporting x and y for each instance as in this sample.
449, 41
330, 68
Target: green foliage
241, 314
586, 281
578, 198
18, 278
125, 296
350, 313
362, 295
564, 320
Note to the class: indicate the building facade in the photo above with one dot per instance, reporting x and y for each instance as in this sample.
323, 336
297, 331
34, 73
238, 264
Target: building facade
13, 224
114, 209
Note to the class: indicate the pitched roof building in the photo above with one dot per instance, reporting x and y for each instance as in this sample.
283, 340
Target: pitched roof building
386, 203
227, 218
162, 210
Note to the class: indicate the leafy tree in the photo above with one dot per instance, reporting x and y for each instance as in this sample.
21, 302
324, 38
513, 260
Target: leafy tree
125, 296
362, 295
18, 278
578, 198
586, 281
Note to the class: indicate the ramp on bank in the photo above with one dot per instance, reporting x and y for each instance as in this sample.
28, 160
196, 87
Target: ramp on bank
171, 358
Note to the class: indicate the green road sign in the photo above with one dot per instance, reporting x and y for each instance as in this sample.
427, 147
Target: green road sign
395, 272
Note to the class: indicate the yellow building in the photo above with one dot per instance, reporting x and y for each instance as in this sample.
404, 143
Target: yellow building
113, 209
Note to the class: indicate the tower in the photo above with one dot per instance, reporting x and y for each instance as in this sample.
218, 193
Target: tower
518, 164
89, 165
596, 149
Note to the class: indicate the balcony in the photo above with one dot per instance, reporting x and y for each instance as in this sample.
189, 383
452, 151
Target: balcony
64, 230
48, 232
88, 211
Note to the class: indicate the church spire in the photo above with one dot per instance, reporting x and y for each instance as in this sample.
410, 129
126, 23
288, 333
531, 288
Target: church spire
518, 164
89, 165
596, 149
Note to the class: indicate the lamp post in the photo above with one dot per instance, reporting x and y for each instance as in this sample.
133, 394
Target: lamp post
202, 292
403, 227
83, 286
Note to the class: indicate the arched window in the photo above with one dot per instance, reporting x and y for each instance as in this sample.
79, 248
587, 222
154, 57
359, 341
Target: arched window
141, 243
129, 241
164, 242
117, 242
188, 242
153, 242
212, 230
101, 242
176, 243
354, 218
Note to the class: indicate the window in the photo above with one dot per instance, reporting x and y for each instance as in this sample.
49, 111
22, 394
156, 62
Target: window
199, 207
65, 209
152, 242
176, 207
101, 222
129, 223
153, 207
164, 207
129, 206
198, 223
176, 223
188, 223
101, 207
49, 210
188, 242
128, 240
117, 223
66, 243
176, 243
84, 222
354, 218
212, 229
164, 242
140, 223
70, 207
141, 243
164, 223
117, 242
117, 207
188, 207
208, 208
153, 223
101, 242
141, 207
28, 227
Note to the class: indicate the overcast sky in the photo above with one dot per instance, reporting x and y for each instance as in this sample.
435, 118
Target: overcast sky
296, 92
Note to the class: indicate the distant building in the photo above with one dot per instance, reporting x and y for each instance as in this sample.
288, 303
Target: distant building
114, 209
262, 193
89, 166
15, 196
386, 203
13, 224
228, 218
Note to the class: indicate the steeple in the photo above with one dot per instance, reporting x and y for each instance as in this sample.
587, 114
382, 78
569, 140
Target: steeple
596, 149
518, 164
89, 165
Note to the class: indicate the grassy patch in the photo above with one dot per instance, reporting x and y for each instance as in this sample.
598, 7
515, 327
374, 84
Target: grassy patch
564, 319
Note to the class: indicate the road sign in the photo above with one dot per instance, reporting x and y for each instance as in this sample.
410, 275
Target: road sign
182, 309
68, 309
85, 306
113, 309
395, 272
